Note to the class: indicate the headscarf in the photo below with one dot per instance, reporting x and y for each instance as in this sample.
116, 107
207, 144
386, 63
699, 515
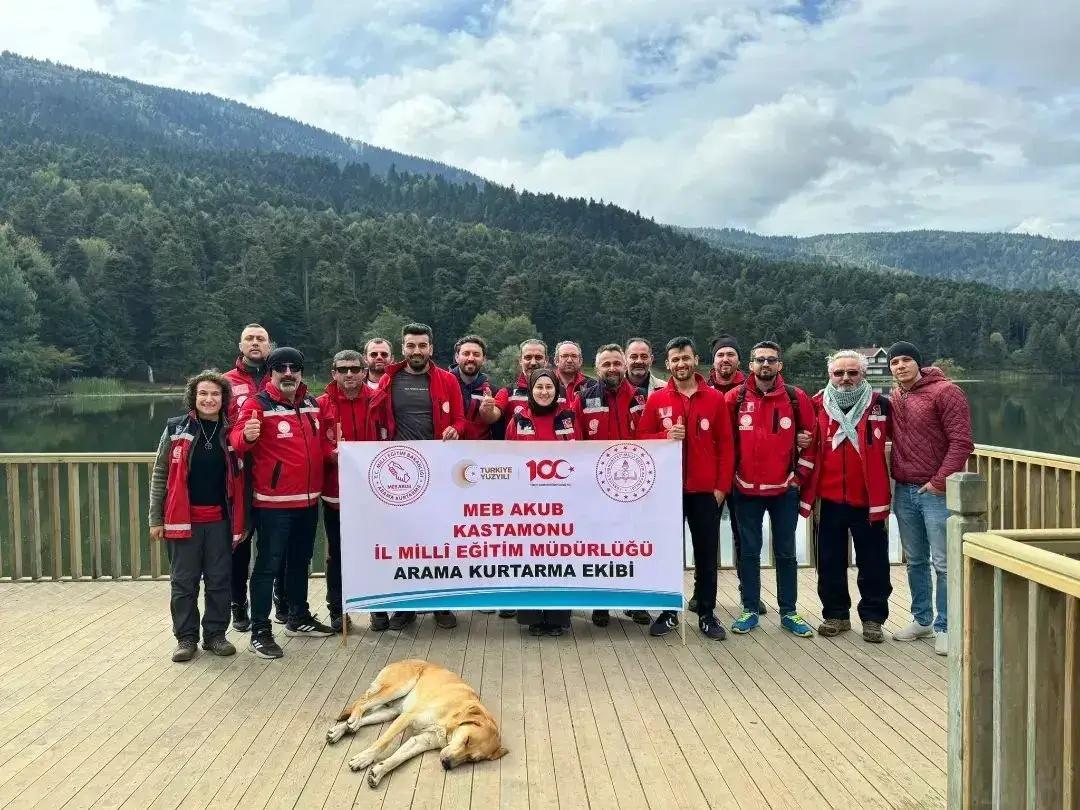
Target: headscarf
534, 406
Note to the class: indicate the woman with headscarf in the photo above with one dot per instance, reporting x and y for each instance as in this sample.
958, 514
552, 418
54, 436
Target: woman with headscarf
547, 417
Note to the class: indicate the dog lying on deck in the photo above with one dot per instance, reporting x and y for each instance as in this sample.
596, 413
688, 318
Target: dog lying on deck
433, 706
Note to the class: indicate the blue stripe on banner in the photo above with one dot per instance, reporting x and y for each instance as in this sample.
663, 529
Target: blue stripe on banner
520, 599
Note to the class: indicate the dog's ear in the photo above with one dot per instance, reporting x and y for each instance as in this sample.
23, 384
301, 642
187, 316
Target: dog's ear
502, 752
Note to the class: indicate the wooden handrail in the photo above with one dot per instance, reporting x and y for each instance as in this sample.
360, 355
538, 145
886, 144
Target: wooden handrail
1033, 564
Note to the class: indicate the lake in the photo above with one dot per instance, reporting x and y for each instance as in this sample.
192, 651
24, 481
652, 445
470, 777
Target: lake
1033, 413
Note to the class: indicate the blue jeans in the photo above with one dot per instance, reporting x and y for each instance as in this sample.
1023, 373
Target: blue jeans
921, 517
749, 511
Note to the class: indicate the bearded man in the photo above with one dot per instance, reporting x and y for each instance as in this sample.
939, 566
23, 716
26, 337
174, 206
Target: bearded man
852, 480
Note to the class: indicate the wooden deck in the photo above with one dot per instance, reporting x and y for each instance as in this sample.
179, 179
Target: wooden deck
94, 714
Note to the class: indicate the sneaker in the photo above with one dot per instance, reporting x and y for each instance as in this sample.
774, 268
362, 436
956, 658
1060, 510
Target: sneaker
241, 622
402, 619
507, 614
554, 630
601, 618
872, 632
941, 642
746, 622
219, 646
445, 619
639, 616
834, 627
538, 629
692, 604
338, 623
711, 627
185, 650
379, 621
914, 631
281, 615
793, 623
664, 624
761, 609
264, 646
308, 626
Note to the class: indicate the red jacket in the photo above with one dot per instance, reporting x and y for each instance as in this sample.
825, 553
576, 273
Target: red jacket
243, 384
603, 414
765, 427
177, 507
737, 379
708, 453
559, 425
472, 394
513, 398
350, 417
575, 387
447, 409
931, 426
846, 475
286, 461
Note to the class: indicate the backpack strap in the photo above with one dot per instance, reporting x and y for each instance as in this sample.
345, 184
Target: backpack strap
793, 398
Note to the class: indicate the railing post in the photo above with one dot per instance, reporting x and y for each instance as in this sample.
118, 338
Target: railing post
965, 498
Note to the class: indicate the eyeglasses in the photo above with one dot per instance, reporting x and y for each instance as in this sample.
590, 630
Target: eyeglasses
839, 373
288, 368
349, 369
378, 354
766, 361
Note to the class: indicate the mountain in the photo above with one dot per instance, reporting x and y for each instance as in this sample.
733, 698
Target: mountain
58, 97
1006, 260
154, 250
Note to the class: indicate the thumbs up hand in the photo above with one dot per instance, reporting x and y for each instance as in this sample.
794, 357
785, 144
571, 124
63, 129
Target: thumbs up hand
487, 405
678, 432
252, 427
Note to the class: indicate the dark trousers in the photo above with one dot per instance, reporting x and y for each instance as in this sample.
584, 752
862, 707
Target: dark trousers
203, 556
554, 618
332, 524
283, 535
734, 530
871, 559
783, 513
703, 517
241, 565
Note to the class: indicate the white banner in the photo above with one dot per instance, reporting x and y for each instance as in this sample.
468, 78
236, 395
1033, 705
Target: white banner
467, 525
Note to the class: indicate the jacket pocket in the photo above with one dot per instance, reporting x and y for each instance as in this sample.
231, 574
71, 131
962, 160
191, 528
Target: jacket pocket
275, 475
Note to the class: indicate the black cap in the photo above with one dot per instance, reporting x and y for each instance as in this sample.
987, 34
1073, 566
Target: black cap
725, 342
285, 354
904, 349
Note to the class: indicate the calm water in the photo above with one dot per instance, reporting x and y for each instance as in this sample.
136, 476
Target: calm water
1034, 414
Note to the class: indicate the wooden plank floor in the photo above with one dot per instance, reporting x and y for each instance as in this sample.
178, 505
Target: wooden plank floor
93, 713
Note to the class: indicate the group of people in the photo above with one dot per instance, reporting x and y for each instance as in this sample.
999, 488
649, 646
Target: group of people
255, 453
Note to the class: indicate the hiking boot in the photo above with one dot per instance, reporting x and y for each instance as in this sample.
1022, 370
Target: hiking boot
219, 646
241, 621
872, 632
307, 626
445, 619
264, 646
712, 628
639, 616
664, 624
913, 631
506, 614
185, 650
794, 623
379, 622
401, 619
834, 627
601, 618
746, 622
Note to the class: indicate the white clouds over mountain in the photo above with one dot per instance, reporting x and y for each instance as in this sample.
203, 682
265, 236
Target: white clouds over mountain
781, 117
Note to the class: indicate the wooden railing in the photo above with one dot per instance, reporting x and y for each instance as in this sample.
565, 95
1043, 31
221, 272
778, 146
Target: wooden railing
83, 516
1014, 642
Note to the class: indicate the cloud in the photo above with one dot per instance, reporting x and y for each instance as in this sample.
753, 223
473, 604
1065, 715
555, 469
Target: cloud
774, 115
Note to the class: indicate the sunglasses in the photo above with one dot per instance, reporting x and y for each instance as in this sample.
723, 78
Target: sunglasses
288, 368
349, 369
766, 361
840, 374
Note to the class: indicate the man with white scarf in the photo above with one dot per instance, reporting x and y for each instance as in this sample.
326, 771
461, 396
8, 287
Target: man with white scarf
851, 479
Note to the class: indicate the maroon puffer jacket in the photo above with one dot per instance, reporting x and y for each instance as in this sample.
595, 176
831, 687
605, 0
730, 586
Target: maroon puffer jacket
931, 427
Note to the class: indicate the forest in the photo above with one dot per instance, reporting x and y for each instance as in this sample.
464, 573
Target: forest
122, 251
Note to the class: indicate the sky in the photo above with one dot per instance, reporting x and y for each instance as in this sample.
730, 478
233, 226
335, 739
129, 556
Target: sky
777, 116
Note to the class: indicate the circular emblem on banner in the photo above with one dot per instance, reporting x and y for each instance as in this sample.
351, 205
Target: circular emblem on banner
625, 472
746, 419
667, 423
466, 473
785, 423
704, 424
399, 476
